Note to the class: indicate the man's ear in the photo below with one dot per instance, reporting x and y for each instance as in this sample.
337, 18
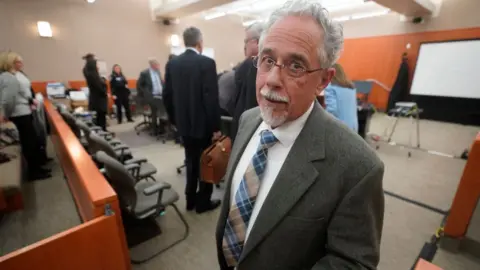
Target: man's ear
326, 78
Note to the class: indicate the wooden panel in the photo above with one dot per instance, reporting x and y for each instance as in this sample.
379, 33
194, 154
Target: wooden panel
92, 245
90, 189
424, 265
467, 196
380, 57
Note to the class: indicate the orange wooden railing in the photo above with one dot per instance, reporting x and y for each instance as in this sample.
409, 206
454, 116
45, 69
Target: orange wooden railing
467, 196
98, 243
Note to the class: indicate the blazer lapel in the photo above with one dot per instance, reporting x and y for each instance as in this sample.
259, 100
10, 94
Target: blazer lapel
294, 179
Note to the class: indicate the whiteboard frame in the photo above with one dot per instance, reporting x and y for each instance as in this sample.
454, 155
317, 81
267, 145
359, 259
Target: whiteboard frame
416, 64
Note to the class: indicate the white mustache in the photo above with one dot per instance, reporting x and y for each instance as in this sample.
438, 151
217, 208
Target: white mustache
273, 95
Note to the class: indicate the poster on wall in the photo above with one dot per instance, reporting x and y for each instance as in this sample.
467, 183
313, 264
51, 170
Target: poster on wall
209, 52
102, 69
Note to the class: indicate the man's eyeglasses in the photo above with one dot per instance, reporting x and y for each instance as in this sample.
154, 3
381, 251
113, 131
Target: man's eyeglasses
293, 68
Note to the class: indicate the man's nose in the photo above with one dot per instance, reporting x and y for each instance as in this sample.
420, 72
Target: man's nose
274, 78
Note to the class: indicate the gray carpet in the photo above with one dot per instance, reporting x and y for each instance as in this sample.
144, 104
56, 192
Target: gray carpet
49, 209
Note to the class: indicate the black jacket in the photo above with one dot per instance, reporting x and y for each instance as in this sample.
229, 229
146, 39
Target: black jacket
191, 95
245, 84
97, 99
118, 85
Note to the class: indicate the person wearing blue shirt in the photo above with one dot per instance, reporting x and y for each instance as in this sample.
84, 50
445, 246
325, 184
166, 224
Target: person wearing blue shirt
341, 98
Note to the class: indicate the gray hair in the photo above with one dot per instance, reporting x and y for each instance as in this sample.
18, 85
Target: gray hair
152, 61
192, 36
256, 29
333, 31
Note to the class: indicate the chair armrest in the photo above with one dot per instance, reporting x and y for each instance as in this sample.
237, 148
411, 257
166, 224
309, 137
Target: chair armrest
95, 128
115, 142
138, 161
133, 169
157, 187
106, 135
120, 147
131, 166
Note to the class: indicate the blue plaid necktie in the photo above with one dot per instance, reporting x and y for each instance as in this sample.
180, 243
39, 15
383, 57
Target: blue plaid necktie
241, 209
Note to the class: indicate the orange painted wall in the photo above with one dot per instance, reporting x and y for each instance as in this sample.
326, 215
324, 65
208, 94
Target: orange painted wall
380, 57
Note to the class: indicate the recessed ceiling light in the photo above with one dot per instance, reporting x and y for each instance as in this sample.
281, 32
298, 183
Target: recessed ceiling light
90, 1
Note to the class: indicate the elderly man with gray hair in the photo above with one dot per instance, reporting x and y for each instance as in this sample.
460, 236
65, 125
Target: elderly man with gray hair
150, 87
303, 191
245, 75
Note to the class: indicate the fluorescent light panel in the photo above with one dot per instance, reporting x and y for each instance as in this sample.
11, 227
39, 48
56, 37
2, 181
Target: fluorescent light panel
44, 29
215, 15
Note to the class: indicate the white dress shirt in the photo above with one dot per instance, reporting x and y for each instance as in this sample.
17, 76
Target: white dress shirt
157, 88
286, 135
193, 49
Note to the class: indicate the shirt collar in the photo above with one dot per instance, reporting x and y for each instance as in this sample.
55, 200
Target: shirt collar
152, 70
193, 49
288, 132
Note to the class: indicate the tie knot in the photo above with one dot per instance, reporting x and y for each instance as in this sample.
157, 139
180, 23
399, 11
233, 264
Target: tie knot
267, 139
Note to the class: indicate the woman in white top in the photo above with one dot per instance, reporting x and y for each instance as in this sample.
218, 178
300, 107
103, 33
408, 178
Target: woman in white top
16, 103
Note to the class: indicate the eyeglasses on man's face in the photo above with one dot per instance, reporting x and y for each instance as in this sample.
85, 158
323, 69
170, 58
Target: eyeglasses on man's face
293, 68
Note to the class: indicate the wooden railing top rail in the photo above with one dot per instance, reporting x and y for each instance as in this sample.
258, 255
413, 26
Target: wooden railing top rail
467, 196
86, 182
382, 85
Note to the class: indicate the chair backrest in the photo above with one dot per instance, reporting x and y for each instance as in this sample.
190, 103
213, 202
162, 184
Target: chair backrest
120, 179
97, 143
71, 122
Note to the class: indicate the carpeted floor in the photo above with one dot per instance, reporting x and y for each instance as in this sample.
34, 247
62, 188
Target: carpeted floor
49, 209
430, 179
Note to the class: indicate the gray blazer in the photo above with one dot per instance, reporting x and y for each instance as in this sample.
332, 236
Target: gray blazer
227, 91
325, 209
14, 101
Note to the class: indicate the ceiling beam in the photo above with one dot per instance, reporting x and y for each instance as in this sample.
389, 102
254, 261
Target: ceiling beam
179, 9
409, 8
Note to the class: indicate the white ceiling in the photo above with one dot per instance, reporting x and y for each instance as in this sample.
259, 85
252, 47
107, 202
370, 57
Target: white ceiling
251, 10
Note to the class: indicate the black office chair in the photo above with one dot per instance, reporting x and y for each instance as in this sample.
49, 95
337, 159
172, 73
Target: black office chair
122, 153
141, 199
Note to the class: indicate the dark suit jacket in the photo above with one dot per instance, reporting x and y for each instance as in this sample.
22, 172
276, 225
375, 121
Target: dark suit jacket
325, 209
245, 84
97, 99
191, 95
145, 85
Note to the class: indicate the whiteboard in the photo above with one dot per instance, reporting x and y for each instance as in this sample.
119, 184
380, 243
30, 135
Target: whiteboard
209, 52
448, 69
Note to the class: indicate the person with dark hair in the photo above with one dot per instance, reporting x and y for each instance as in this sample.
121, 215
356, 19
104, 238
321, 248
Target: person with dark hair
121, 93
341, 98
191, 100
97, 99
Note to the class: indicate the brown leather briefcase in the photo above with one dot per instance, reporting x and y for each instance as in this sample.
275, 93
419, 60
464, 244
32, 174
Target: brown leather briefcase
214, 160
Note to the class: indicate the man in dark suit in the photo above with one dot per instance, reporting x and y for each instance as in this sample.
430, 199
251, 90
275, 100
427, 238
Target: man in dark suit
150, 88
191, 98
303, 190
245, 76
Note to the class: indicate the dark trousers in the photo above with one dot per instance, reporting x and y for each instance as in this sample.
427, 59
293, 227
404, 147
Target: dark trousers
193, 151
28, 141
101, 119
123, 101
